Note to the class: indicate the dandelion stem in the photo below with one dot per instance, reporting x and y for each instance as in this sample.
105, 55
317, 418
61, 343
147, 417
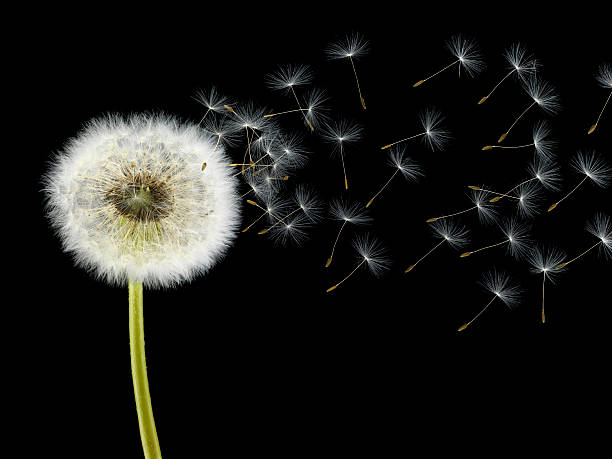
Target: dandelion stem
466, 325
205, 114
285, 112
420, 82
543, 281
403, 140
563, 265
384, 186
507, 193
496, 86
148, 434
451, 215
568, 194
351, 273
343, 167
489, 147
357, 80
504, 135
329, 260
600, 113
411, 267
466, 254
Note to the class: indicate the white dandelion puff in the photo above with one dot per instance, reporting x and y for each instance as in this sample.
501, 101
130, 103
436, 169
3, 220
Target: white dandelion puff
346, 212
517, 239
371, 254
341, 133
448, 231
434, 134
543, 94
501, 286
467, 54
486, 212
520, 63
411, 170
604, 78
592, 165
541, 141
130, 201
546, 261
599, 226
351, 47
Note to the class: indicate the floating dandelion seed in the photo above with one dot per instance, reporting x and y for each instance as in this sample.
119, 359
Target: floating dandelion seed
604, 77
212, 100
131, 203
468, 57
315, 109
434, 135
545, 261
528, 198
543, 94
516, 239
346, 213
455, 235
486, 212
340, 133
545, 171
593, 167
287, 78
351, 47
371, 254
543, 145
225, 131
409, 169
502, 287
305, 201
600, 227
273, 206
520, 64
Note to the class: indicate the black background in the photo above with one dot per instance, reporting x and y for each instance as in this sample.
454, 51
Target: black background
256, 356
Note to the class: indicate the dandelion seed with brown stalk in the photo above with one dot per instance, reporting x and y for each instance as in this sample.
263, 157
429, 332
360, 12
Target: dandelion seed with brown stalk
604, 77
341, 133
600, 227
546, 261
352, 47
346, 212
448, 231
433, 134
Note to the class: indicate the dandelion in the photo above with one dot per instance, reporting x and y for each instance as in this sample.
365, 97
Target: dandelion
131, 203
306, 201
314, 111
520, 64
212, 100
545, 171
600, 227
467, 54
528, 198
593, 167
274, 206
287, 78
434, 135
340, 133
543, 95
346, 212
409, 169
371, 254
501, 286
604, 77
486, 212
516, 239
225, 131
448, 231
351, 47
545, 261
291, 230
543, 145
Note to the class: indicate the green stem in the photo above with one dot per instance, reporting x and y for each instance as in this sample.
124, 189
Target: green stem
148, 434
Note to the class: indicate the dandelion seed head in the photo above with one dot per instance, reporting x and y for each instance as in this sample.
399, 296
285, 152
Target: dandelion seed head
352, 212
546, 171
600, 226
409, 168
454, 233
306, 199
486, 211
543, 144
288, 76
468, 53
292, 231
436, 136
545, 260
519, 240
212, 99
341, 131
592, 164
373, 253
543, 94
130, 201
529, 198
351, 46
518, 59
500, 284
